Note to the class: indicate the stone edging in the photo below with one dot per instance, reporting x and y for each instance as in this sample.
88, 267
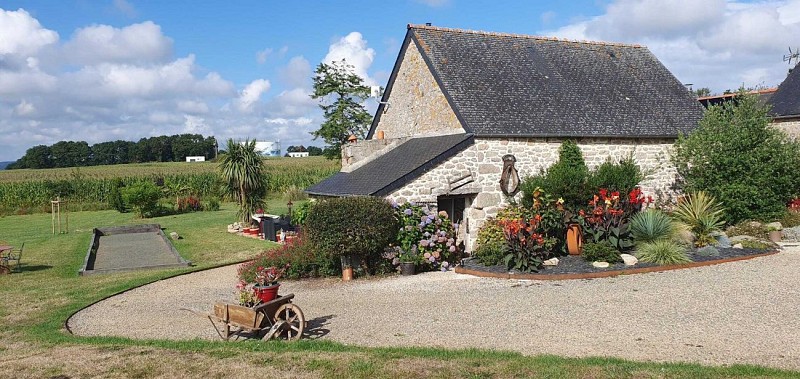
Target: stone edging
66, 322
604, 274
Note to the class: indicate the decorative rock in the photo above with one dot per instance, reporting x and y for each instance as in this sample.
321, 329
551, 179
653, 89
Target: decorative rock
551, 262
174, 236
629, 260
755, 224
738, 246
600, 264
722, 240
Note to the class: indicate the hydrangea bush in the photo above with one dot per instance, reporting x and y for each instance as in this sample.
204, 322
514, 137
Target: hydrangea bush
425, 237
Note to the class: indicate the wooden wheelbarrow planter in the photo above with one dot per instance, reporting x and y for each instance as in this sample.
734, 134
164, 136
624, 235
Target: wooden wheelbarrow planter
279, 317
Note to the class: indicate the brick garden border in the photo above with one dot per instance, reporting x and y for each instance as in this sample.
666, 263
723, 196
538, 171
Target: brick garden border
605, 274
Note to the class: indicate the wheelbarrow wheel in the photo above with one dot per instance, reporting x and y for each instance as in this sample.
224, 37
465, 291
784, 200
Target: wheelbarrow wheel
294, 321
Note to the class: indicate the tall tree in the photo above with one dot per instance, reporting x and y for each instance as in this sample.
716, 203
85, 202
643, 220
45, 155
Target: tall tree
340, 92
245, 178
738, 158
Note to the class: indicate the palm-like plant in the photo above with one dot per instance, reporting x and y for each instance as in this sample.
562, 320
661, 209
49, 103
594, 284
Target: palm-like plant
702, 214
244, 176
651, 225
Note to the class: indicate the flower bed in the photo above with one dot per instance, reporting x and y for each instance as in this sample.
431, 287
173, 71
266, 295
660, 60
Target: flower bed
575, 267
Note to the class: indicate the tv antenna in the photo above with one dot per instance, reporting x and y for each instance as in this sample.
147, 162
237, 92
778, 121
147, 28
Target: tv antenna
792, 55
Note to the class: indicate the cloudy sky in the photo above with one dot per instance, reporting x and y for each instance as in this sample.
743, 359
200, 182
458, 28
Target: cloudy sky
101, 70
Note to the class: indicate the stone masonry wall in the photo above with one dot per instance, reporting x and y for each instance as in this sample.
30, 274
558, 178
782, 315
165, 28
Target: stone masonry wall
790, 127
417, 105
483, 161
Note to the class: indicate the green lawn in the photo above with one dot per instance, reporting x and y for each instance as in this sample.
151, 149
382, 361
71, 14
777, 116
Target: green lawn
35, 304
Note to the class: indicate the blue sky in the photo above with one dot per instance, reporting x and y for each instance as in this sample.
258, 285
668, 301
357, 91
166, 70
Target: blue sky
125, 69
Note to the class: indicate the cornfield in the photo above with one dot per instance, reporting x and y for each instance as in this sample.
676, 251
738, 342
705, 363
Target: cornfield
88, 188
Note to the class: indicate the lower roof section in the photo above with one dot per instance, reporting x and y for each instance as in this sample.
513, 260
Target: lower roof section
394, 169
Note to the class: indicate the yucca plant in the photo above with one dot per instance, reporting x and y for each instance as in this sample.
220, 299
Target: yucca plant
662, 252
702, 214
651, 225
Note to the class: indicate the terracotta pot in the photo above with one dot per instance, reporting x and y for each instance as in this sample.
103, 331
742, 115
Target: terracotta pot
407, 268
266, 293
775, 236
574, 239
347, 273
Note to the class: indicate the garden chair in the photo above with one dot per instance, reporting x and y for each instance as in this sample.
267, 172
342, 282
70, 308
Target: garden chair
16, 257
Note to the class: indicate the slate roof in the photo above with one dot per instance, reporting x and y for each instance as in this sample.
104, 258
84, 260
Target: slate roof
786, 101
506, 85
392, 170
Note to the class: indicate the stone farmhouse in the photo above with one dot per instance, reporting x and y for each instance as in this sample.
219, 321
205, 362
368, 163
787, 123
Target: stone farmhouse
459, 101
785, 104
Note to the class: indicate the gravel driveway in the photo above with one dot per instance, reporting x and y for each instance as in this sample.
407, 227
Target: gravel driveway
739, 312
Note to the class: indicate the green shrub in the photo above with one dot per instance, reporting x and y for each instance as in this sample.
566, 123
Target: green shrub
790, 219
301, 258
142, 197
213, 204
565, 179
601, 252
351, 227
702, 214
491, 244
300, 212
115, 197
622, 176
651, 225
662, 252
736, 157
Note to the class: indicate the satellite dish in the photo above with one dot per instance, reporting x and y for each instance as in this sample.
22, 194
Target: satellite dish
375, 91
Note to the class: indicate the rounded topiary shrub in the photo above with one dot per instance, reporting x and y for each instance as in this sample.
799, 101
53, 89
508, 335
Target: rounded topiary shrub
359, 227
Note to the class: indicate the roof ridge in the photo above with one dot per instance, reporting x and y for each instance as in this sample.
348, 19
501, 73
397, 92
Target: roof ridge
527, 36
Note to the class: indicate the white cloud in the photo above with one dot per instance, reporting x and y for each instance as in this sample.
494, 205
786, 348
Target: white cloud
21, 34
717, 44
125, 8
261, 56
252, 94
297, 73
353, 49
24, 108
142, 42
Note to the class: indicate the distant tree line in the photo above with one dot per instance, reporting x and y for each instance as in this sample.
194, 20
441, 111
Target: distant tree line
154, 149
312, 150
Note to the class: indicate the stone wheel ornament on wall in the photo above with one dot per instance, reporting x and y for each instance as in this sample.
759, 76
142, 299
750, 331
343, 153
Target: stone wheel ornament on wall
509, 178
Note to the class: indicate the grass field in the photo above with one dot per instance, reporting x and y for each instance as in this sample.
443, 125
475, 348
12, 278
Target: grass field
36, 303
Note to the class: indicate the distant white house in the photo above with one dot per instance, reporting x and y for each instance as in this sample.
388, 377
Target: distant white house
269, 148
298, 154
198, 158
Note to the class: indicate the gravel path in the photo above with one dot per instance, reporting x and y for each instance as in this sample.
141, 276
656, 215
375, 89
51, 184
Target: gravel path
739, 312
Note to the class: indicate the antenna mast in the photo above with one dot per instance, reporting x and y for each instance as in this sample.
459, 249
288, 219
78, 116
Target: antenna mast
792, 55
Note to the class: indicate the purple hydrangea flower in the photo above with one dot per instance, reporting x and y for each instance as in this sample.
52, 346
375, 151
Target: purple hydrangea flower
394, 204
432, 259
427, 234
423, 243
452, 249
408, 212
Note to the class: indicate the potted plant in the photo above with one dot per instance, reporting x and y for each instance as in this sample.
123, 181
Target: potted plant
775, 233
408, 261
266, 286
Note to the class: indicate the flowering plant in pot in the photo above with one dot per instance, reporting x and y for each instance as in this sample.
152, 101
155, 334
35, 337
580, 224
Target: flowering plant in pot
266, 285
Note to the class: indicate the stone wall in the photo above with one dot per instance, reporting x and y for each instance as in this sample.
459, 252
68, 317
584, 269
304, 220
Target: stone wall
417, 105
482, 163
789, 126
356, 154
